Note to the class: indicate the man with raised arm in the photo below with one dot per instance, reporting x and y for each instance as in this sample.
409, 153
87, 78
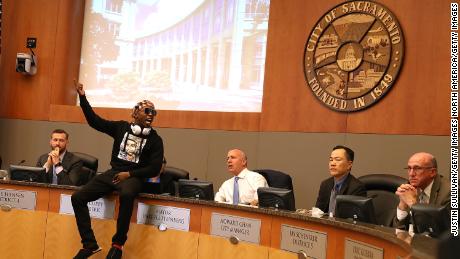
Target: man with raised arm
129, 170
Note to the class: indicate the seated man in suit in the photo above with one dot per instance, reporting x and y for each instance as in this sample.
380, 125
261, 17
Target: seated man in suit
62, 167
425, 186
242, 187
341, 181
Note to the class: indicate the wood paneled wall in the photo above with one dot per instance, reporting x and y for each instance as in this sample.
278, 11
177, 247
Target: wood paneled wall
418, 102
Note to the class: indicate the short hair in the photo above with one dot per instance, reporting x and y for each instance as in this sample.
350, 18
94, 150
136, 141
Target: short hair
434, 163
60, 131
348, 152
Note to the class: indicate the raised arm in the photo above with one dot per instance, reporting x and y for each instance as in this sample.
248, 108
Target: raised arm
92, 118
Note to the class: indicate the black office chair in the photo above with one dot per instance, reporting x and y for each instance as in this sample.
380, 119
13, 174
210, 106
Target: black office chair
382, 188
168, 181
276, 179
89, 169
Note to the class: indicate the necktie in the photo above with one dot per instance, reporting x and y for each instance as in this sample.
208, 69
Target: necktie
334, 193
236, 191
54, 175
423, 198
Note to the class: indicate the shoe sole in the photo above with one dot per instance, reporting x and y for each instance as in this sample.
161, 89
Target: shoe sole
96, 251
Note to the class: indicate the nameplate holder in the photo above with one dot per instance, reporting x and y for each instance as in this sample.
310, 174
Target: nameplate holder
356, 249
101, 208
312, 242
172, 217
24, 200
246, 229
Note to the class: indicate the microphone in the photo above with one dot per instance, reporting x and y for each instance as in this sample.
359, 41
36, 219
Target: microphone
22, 162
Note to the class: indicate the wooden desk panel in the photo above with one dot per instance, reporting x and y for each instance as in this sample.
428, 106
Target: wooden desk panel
146, 241
22, 233
389, 250
281, 254
212, 247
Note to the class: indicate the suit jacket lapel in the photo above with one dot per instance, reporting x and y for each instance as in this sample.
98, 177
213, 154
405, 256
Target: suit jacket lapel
65, 159
435, 189
345, 185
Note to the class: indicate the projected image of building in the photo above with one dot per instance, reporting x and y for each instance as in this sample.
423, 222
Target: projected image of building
186, 55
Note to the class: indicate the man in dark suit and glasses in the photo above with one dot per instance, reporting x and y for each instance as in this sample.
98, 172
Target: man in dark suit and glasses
341, 181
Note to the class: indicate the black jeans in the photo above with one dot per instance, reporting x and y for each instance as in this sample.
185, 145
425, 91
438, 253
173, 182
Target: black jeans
97, 188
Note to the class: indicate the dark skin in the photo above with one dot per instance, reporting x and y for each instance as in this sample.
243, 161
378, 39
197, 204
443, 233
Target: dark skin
140, 118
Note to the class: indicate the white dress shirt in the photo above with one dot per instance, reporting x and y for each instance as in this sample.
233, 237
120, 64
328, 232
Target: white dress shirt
248, 184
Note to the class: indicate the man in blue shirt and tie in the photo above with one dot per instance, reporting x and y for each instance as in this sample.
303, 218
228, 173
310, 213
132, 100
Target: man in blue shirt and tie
242, 187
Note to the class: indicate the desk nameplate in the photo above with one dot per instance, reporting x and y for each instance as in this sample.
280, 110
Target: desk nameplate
172, 217
246, 229
360, 250
312, 242
101, 208
25, 200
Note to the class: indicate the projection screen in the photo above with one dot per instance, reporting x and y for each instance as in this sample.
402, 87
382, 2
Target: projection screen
195, 55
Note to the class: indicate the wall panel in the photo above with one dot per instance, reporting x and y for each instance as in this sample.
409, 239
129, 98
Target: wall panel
68, 45
27, 97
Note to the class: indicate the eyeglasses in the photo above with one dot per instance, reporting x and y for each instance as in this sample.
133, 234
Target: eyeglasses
150, 111
417, 169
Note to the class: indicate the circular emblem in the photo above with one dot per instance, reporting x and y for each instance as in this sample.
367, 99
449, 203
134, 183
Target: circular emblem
353, 55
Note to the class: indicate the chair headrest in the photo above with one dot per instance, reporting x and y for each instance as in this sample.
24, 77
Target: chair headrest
386, 182
176, 173
89, 161
276, 178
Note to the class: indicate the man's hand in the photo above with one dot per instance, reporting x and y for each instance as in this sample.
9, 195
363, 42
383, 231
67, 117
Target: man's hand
254, 202
54, 156
120, 177
407, 196
49, 163
78, 87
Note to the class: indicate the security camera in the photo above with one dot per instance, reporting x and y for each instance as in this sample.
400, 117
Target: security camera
26, 64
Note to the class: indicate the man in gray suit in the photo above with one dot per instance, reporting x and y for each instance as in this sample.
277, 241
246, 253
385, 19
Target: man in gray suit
62, 167
425, 186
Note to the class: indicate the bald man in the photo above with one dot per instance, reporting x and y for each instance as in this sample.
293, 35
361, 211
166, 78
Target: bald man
242, 187
425, 186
